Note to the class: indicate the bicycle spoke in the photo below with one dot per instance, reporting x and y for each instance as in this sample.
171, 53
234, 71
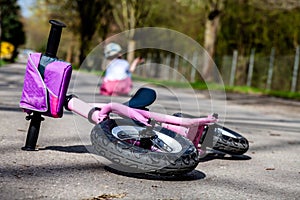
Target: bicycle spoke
161, 145
144, 137
122, 135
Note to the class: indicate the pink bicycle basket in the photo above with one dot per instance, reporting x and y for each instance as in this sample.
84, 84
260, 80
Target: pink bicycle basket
45, 95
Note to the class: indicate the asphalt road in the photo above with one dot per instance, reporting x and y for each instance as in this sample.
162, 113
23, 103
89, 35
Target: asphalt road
63, 168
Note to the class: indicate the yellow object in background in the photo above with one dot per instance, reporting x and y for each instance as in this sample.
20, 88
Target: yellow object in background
6, 50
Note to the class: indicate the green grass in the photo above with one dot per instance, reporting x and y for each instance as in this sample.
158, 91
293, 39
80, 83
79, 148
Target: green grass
213, 86
244, 90
285, 95
252, 90
2, 62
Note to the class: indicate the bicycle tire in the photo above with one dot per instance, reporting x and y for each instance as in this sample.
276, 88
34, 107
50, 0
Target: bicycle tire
220, 138
226, 140
135, 159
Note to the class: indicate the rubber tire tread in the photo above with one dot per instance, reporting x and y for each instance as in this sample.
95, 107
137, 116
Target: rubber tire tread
135, 159
237, 145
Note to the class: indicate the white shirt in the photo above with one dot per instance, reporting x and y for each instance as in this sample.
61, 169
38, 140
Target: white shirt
118, 69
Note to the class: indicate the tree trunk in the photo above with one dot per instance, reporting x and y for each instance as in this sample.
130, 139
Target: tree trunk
210, 37
69, 55
130, 51
84, 49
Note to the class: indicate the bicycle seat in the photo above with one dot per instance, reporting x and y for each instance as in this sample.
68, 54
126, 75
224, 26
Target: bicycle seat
142, 98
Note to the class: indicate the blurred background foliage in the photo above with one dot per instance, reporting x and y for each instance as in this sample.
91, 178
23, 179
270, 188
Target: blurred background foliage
243, 24
220, 26
11, 29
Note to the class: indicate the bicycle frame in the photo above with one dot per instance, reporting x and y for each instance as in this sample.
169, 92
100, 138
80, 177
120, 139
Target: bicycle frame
191, 128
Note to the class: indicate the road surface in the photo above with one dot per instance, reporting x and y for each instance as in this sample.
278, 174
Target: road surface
63, 168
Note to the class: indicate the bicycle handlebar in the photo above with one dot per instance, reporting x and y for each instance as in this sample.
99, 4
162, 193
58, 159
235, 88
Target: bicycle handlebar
54, 38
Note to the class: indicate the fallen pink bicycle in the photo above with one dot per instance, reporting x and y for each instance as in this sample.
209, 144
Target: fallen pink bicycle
134, 138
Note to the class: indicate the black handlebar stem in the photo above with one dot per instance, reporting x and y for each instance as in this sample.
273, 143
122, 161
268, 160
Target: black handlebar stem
54, 38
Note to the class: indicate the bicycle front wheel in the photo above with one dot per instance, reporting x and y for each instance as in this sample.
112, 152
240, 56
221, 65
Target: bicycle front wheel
165, 152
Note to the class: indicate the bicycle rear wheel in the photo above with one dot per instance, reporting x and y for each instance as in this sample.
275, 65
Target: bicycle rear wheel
166, 153
225, 140
220, 138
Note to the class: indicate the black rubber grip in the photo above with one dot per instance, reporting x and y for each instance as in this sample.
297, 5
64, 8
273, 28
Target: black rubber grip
54, 38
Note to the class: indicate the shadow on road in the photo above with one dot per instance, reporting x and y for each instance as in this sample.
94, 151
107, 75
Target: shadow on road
10, 109
213, 156
69, 149
191, 176
89, 149
194, 175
